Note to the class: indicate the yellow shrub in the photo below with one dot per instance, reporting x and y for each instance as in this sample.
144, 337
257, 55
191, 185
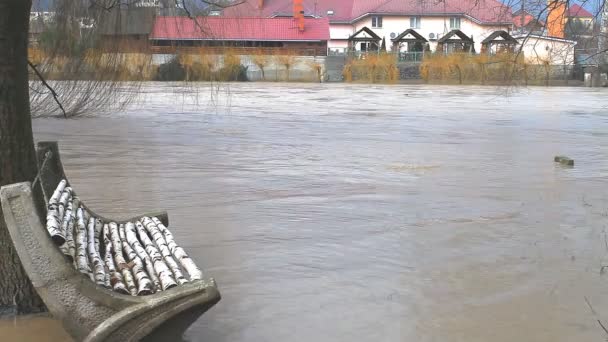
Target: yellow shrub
286, 59
464, 68
261, 59
347, 72
317, 68
372, 68
231, 65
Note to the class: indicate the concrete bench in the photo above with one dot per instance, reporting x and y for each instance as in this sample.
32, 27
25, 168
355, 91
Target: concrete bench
89, 311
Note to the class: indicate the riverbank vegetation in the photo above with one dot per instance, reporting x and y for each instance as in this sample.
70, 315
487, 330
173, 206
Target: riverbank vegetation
187, 64
98, 64
372, 68
455, 68
499, 69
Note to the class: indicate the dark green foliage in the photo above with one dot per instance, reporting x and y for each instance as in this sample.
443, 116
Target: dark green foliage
242, 74
171, 71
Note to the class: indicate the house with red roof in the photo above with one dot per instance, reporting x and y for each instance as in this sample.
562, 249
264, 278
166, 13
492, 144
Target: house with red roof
243, 32
578, 12
524, 21
579, 22
389, 18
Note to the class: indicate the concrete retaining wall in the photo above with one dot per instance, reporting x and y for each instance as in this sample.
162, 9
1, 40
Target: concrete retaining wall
302, 70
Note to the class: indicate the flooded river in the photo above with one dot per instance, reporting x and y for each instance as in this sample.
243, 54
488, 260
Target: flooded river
367, 213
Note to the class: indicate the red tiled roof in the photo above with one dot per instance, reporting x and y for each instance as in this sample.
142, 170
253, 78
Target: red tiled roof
484, 11
248, 28
528, 18
341, 8
578, 11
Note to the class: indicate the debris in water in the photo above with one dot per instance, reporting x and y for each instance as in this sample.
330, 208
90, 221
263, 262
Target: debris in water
564, 160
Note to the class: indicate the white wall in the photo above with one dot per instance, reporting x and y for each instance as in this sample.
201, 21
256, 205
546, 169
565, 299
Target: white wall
428, 24
538, 50
340, 31
339, 34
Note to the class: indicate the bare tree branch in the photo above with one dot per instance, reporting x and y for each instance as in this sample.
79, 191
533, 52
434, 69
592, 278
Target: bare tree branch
221, 5
188, 13
595, 314
53, 92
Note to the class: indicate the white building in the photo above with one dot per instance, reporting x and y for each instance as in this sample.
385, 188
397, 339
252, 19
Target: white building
542, 50
431, 18
431, 27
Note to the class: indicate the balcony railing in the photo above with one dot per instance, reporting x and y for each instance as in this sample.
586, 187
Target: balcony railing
399, 56
411, 56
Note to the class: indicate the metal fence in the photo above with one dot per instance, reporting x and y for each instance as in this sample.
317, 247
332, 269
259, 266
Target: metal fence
399, 56
411, 56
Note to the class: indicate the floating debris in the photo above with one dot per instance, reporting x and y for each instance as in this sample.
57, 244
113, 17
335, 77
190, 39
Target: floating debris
564, 160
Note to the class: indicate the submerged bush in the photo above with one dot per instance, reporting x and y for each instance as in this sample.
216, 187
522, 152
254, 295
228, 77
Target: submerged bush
171, 71
202, 68
241, 76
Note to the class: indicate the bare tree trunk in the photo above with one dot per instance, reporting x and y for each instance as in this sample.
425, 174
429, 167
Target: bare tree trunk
457, 67
17, 154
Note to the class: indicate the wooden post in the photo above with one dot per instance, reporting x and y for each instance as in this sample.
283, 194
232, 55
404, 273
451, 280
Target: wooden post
131, 236
179, 253
144, 285
116, 281
53, 218
99, 273
66, 196
82, 260
67, 227
160, 267
98, 236
164, 250
119, 259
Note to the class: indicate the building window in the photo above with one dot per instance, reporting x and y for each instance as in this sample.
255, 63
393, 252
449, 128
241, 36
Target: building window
455, 23
415, 22
377, 22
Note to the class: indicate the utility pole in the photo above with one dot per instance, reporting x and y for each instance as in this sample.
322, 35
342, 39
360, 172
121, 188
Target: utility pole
602, 41
522, 20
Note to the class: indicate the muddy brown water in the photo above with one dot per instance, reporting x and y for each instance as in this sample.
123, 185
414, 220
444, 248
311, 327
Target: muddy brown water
367, 213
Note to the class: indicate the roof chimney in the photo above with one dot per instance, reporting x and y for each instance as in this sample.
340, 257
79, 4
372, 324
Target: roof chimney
298, 14
260, 4
556, 19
